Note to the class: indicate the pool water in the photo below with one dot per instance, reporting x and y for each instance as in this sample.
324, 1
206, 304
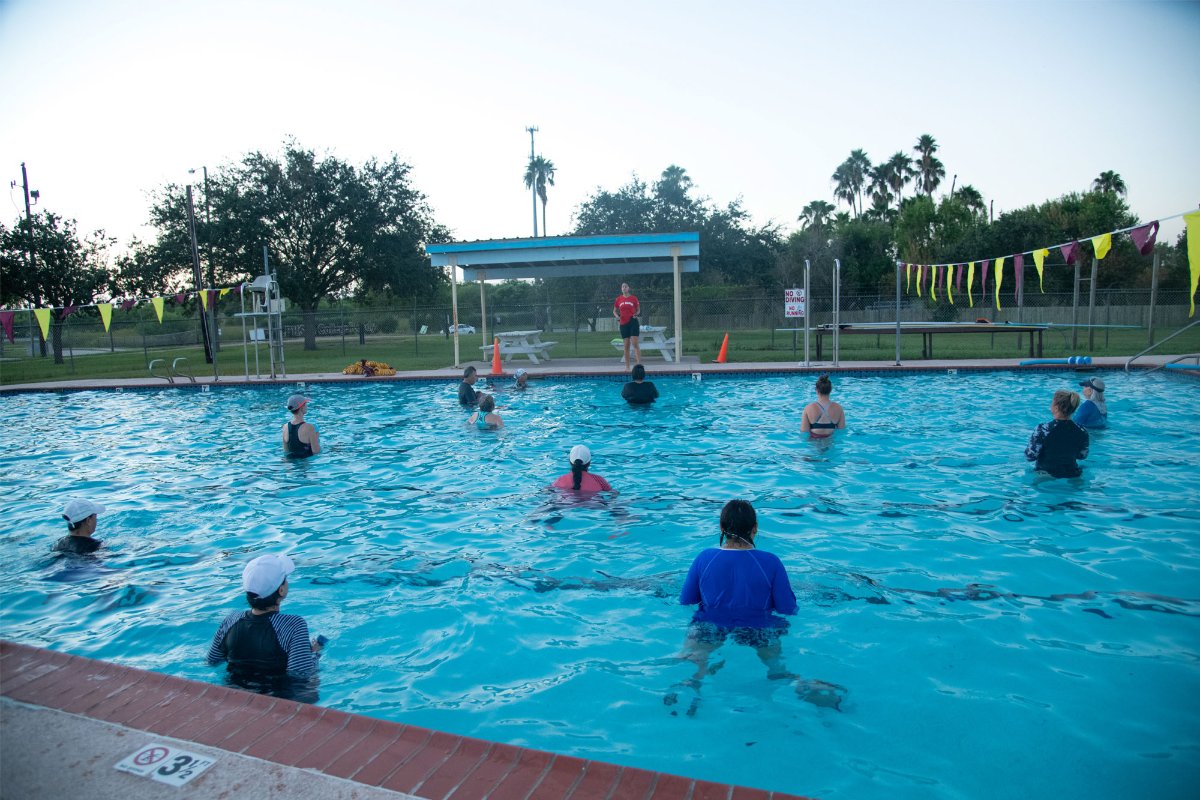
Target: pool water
998, 634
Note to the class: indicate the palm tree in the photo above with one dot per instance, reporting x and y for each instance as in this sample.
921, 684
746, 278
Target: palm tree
859, 169
815, 215
1109, 182
970, 197
539, 173
900, 172
843, 185
880, 186
930, 170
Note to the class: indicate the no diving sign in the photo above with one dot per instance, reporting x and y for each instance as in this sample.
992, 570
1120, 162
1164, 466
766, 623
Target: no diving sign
794, 304
165, 764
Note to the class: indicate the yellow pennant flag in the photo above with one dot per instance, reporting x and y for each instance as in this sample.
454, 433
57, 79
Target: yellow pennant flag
999, 279
950, 282
226, 291
1102, 243
920, 277
970, 280
43, 318
1039, 258
157, 302
908, 278
105, 310
933, 282
1193, 239
203, 298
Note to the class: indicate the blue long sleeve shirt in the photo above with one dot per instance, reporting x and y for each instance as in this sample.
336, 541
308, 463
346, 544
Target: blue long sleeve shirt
738, 588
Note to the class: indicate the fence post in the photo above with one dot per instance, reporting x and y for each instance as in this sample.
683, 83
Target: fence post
416, 329
1075, 308
1092, 305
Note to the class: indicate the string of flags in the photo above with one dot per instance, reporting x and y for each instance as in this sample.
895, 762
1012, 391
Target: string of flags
937, 277
208, 299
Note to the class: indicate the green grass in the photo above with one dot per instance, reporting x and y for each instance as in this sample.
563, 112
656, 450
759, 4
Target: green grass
432, 352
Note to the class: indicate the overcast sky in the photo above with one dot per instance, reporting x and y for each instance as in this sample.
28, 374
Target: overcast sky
105, 100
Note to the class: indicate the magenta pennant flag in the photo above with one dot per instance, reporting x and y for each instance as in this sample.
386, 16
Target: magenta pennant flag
1143, 237
6, 319
983, 280
958, 278
1019, 272
1070, 251
128, 304
179, 298
68, 311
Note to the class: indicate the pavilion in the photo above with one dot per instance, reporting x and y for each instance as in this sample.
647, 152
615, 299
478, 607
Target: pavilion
566, 257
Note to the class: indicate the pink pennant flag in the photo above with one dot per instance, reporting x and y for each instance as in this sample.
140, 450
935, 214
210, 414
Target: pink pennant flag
1143, 237
128, 304
179, 298
958, 278
212, 297
1070, 251
6, 319
68, 311
1019, 275
983, 280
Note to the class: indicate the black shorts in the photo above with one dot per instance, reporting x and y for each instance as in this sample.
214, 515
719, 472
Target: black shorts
630, 328
712, 634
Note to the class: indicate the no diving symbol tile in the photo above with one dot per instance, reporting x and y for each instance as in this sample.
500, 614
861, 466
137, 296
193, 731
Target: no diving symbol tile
165, 764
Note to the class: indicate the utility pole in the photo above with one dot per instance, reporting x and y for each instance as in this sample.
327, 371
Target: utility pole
31, 254
204, 332
533, 188
212, 271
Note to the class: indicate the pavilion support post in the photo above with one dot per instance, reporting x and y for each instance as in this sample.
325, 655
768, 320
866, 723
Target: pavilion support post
483, 307
454, 305
678, 305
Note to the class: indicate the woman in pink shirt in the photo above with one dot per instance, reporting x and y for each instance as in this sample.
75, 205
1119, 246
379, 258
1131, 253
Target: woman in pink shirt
579, 478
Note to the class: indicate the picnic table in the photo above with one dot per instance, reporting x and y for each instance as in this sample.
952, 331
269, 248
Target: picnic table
522, 343
651, 337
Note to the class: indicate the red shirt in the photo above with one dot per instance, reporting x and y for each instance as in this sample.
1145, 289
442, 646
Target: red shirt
589, 483
627, 307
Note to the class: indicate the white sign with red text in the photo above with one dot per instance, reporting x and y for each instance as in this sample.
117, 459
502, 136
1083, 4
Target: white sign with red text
165, 764
793, 303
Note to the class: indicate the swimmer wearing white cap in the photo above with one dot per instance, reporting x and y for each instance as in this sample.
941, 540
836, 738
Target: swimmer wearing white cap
300, 438
81, 524
579, 479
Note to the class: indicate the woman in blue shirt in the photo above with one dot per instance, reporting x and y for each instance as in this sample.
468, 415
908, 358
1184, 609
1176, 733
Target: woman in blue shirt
741, 591
1093, 411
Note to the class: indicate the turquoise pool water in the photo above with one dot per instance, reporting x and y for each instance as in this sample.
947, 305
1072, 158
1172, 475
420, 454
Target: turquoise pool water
999, 635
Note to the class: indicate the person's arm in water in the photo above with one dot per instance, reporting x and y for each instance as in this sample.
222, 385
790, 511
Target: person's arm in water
496, 420
314, 438
302, 656
805, 423
782, 596
216, 650
841, 420
1034, 449
1083, 449
690, 594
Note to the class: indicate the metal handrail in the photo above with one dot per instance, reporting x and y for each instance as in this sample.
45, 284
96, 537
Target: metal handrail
154, 374
176, 371
1162, 341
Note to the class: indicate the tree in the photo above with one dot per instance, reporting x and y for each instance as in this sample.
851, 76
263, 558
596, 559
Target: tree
816, 215
971, 199
900, 172
539, 173
859, 167
1109, 182
66, 271
930, 170
330, 228
843, 185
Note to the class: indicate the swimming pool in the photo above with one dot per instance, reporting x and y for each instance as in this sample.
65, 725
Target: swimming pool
999, 635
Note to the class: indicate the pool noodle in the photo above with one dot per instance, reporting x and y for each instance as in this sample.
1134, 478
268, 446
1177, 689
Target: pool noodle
1074, 360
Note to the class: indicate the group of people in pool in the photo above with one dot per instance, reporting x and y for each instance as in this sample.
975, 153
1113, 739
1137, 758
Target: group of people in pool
1056, 447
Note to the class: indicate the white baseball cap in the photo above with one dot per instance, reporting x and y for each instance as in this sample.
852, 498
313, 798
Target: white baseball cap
79, 510
580, 453
521, 372
265, 574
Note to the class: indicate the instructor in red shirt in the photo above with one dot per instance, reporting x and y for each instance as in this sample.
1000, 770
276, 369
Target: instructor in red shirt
626, 309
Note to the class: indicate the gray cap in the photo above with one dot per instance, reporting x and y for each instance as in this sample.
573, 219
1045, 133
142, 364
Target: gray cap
296, 401
1094, 383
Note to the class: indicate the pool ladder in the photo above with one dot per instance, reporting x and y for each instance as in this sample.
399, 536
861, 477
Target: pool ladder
1173, 363
175, 371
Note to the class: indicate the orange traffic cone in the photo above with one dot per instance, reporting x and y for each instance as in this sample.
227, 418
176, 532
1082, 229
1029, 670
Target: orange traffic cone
496, 369
724, 350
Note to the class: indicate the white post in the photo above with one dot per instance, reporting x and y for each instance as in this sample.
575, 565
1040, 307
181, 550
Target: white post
678, 306
837, 306
454, 304
807, 309
482, 308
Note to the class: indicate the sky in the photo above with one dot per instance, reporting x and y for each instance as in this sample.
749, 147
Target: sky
108, 100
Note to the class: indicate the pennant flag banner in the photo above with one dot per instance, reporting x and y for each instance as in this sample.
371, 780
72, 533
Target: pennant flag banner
179, 298
1101, 244
949, 283
1039, 260
1070, 252
958, 278
999, 279
43, 318
68, 311
203, 299
157, 302
933, 282
105, 310
1143, 237
986, 265
920, 278
970, 280
128, 304
6, 319
1193, 240
225, 291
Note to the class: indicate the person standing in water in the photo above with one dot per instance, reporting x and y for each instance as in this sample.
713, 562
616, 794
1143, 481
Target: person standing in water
822, 416
300, 439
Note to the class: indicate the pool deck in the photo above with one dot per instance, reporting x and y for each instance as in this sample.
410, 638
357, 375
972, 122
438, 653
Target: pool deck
598, 367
